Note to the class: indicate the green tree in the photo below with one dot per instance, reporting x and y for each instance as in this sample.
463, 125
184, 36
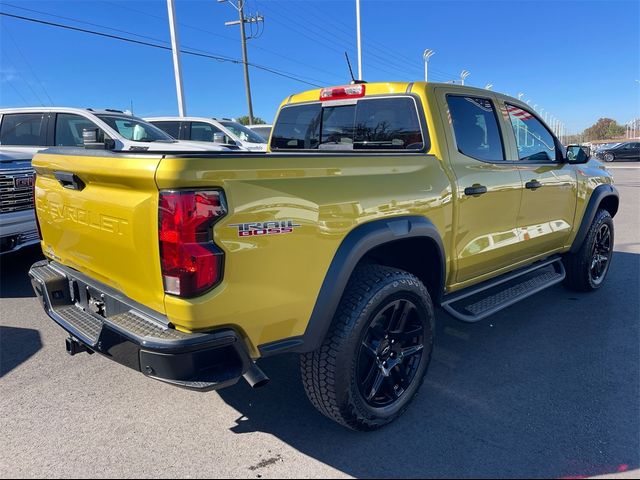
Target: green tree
604, 129
244, 120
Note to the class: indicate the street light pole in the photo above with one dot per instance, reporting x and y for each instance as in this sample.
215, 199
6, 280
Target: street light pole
488, 86
463, 75
428, 53
359, 40
175, 49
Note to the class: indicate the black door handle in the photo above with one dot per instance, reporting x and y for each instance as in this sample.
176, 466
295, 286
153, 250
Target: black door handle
69, 180
533, 185
475, 190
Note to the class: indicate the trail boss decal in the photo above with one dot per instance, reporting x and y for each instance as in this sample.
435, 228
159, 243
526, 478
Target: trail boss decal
257, 229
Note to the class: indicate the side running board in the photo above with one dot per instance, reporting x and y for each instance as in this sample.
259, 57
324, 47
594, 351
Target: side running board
478, 302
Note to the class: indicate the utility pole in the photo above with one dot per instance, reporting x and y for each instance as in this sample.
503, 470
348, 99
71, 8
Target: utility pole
242, 21
175, 48
359, 40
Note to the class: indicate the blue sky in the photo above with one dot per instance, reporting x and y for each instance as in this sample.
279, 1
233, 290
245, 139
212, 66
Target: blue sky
579, 60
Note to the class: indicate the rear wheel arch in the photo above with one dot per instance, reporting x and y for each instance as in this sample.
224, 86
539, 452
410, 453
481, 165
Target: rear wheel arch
393, 242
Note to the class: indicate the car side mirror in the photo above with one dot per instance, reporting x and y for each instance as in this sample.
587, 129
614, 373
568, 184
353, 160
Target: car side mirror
95, 139
577, 154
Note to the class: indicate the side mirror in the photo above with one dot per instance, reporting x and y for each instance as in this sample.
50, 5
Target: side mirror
220, 137
94, 138
577, 154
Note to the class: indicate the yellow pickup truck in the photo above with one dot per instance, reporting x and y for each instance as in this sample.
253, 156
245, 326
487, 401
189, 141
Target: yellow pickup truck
376, 204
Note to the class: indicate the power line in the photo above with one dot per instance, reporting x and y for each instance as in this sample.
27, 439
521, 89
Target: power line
28, 64
214, 34
337, 44
163, 47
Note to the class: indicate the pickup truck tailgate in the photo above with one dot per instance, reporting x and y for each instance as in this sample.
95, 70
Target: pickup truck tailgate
99, 214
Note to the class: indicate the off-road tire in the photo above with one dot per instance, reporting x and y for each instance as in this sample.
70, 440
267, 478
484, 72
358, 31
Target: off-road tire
329, 374
579, 264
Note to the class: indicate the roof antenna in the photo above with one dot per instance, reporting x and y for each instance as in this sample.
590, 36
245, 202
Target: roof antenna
353, 79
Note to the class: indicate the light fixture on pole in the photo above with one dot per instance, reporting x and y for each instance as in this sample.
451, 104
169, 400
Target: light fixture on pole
428, 53
463, 75
520, 95
488, 86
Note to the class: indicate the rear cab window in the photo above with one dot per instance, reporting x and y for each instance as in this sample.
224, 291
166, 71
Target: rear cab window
22, 129
374, 124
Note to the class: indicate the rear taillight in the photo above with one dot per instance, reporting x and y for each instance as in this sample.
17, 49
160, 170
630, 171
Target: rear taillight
191, 262
341, 93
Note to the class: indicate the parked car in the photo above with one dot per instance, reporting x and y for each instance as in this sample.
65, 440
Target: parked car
222, 131
378, 203
17, 217
623, 152
32, 129
263, 130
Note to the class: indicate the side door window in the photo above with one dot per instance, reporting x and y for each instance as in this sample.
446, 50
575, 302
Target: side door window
22, 129
476, 129
171, 128
69, 128
534, 141
203, 132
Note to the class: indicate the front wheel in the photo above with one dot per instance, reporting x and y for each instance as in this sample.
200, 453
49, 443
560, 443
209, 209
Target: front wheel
588, 267
376, 353
609, 157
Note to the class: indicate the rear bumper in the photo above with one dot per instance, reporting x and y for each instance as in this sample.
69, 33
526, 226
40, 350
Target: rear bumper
108, 323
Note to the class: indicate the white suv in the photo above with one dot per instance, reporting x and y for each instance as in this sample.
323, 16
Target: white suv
32, 129
222, 131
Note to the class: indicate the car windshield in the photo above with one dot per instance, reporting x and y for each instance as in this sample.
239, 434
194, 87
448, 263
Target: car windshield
243, 133
135, 129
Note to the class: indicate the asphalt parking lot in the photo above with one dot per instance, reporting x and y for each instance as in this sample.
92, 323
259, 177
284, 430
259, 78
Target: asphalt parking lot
547, 388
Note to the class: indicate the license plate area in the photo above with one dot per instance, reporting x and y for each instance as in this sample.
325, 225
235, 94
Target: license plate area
94, 301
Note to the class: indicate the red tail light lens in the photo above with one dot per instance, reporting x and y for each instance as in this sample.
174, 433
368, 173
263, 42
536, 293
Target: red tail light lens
191, 262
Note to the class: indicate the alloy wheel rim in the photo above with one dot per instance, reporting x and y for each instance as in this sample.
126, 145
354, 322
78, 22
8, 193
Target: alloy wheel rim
390, 353
601, 254
608, 157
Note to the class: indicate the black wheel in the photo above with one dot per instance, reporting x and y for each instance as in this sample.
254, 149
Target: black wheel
609, 157
376, 352
588, 267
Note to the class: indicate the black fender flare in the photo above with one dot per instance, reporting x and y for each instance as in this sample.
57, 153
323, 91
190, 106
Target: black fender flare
597, 196
353, 248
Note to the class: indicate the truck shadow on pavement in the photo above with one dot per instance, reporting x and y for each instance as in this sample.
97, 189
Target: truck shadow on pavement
546, 388
14, 279
17, 345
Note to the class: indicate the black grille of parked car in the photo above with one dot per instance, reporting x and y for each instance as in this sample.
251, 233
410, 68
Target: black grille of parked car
16, 190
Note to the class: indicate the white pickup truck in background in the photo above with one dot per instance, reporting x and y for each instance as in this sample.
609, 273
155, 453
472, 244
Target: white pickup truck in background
17, 218
220, 131
32, 129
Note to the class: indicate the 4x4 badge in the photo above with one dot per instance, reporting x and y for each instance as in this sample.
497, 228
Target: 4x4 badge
256, 229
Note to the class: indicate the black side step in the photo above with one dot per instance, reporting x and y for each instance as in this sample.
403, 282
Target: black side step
478, 302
